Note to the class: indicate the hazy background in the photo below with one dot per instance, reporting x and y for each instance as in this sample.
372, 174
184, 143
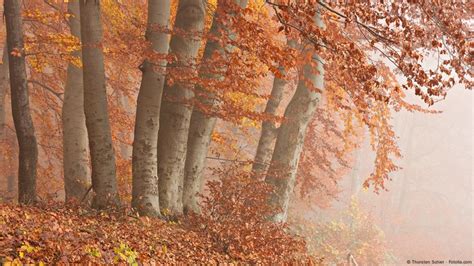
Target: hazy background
426, 214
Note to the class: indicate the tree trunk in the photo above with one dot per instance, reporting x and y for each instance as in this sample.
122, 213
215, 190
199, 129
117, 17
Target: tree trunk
25, 131
202, 125
175, 115
10, 184
75, 141
268, 134
3, 89
95, 105
4, 85
289, 143
145, 195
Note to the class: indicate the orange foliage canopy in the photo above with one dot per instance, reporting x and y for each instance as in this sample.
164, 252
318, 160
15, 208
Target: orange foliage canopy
374, 56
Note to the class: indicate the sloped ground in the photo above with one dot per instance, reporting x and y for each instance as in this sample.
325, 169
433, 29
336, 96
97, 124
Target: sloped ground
60, 234
233, 228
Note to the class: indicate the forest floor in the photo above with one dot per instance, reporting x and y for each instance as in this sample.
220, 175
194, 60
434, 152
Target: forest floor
54, 233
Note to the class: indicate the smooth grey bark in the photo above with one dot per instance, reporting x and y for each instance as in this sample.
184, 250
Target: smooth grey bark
145, 193
268, 134
289, 143
75, 140
104, 181
202, 125
4, 83
124, 149
25, 131
200, 132
10, 184
175, 115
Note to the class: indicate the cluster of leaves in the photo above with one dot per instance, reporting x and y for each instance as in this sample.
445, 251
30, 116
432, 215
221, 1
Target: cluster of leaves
365, 44
358, 44
233, 227
353, 232
232, 77
325, 159
49, 48
235, 218
72, 234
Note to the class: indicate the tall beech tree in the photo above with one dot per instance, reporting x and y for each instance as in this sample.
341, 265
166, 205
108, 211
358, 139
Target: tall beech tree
4, 86
361, 51
4, 82
202, 125
25, 131
269, 130
145, 194
176, 109
75, 140
366, 86
104, 181
291, 134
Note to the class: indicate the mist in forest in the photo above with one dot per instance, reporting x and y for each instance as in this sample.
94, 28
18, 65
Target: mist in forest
245, 132
426, 212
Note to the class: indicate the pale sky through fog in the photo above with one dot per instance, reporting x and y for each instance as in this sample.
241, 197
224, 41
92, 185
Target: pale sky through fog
439, 161
427, 212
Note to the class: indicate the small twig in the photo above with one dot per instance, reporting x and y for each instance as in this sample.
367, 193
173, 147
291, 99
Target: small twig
226, 160
57, 94
86, 231
235, 161
87, 192
133, 216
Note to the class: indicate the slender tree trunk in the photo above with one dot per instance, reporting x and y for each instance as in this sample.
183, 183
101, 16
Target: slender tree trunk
10, 185
200, 132
175, 116
25, 131
145, 194
75, 141
4, 85
289, 143
4, 82
104, 180
202, 125
125, 149
268, 134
